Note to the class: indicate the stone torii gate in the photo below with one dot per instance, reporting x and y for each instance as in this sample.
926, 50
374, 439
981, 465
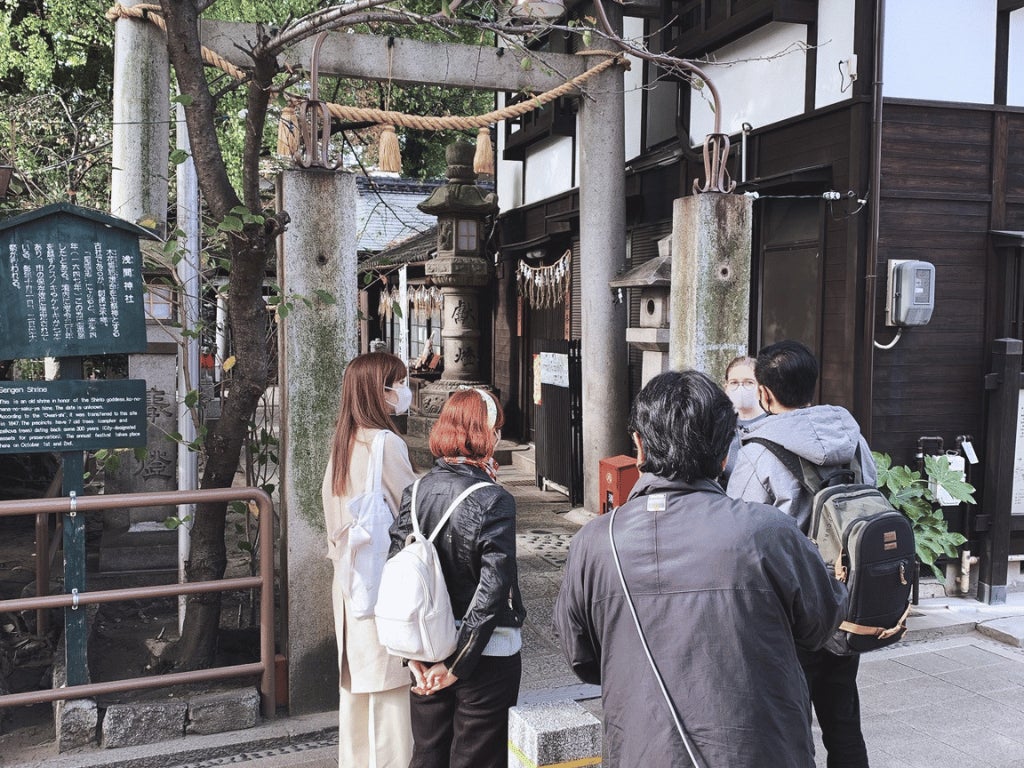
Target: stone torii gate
140, 190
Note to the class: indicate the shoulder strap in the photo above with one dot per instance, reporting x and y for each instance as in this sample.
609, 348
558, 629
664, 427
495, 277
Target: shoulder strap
805, 472
447, 513
690, 750
375, 463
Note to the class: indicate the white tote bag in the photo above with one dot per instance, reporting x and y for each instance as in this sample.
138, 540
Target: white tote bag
364, 543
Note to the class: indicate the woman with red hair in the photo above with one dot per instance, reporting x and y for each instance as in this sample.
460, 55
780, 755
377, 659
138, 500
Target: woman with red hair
460, 705
373, 712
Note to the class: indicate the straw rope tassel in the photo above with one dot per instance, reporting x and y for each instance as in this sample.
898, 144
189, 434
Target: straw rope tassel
483, 160
287, 133
389, 152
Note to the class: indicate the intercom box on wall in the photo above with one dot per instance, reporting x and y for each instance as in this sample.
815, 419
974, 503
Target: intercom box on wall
910, 298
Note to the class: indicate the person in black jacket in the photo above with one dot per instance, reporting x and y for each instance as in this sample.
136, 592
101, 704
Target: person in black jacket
725, 591
460, 705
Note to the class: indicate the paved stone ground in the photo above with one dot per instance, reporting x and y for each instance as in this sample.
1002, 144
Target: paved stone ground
951, 694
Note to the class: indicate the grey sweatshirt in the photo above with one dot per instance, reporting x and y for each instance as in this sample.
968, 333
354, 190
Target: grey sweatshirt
825, 435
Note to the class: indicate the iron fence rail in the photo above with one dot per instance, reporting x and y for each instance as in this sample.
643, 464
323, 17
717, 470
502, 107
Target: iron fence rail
265, 582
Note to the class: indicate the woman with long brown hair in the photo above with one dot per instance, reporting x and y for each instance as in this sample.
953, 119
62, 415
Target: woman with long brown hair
460, 705
373, 711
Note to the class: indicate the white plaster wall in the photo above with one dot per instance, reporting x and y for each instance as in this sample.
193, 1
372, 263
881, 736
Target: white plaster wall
633, 81
508, 173
753, 88
941, 50
834, 45
548, 169
1015, 76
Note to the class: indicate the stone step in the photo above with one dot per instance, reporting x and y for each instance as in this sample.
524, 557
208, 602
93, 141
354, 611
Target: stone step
422, 459
526, 460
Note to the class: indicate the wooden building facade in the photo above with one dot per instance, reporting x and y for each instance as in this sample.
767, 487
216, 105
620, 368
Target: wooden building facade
851, 167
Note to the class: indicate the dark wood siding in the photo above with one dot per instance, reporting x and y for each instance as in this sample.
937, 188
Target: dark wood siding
936, 206
779, 162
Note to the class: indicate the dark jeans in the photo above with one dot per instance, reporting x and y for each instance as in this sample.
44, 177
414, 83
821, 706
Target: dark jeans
832, 682
466, 724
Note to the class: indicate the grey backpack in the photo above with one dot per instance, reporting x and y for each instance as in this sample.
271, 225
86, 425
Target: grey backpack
867, 543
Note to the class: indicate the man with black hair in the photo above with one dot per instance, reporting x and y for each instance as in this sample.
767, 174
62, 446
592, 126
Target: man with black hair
724, 592
828, 437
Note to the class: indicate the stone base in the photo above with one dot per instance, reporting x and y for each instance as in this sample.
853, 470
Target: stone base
558, 733
225, 711
152, 547
129, 725
76, 723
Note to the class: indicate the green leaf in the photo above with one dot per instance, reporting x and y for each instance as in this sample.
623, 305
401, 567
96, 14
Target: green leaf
951, 480
526, 65
184, 99
230, 224
192, 399
325, 297
179, 156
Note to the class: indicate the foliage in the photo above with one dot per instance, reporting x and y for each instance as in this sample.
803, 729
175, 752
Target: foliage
912, 495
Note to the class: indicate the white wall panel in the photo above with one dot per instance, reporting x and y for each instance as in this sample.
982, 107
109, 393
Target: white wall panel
633, 80
1015, 76
835, 46
509, 178
761, 79
548, 169
941, 50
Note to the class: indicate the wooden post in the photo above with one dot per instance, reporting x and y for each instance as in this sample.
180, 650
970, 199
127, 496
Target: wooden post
75, 626
1000, 447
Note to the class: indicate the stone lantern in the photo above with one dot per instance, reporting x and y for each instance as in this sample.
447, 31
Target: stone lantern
460, 270
651, 336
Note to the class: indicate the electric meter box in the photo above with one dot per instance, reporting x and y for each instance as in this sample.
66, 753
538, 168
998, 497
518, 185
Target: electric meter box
911, 294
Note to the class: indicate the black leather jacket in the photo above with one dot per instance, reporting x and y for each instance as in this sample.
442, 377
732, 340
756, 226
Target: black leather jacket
477, 549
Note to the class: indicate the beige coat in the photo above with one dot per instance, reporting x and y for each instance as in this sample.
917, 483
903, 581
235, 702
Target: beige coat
364, 665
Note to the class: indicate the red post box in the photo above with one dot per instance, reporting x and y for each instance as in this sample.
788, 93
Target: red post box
618, 476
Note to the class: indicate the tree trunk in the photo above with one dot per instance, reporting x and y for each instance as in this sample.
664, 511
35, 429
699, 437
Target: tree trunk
249, 252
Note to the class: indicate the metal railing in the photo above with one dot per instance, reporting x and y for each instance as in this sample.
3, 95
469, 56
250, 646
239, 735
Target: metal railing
265, 582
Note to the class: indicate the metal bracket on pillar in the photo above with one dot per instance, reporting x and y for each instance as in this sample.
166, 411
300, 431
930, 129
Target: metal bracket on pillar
314, 120
716, 153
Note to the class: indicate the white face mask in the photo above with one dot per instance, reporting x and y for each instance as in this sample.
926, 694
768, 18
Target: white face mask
743, 399
404, 398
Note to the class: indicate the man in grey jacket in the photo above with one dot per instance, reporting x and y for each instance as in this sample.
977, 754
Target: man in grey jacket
724, 591
828, 437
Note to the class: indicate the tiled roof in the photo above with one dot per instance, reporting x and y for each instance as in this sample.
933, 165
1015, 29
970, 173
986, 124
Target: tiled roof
387, 212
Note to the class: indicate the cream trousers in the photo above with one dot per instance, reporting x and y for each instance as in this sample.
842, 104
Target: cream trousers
374, 729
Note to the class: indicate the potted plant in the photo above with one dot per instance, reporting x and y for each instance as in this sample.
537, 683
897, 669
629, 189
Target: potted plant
915, 497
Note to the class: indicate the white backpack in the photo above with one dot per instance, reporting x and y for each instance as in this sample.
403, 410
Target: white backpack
414, 612
365, 542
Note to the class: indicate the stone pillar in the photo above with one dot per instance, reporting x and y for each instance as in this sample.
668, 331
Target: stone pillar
318, 251
141, 131
710, 294
137, 539
602, 256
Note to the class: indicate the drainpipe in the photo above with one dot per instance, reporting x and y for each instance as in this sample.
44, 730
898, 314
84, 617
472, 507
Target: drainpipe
870, 276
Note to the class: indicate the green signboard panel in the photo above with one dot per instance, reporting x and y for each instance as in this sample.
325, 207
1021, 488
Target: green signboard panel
70, 284
44, 416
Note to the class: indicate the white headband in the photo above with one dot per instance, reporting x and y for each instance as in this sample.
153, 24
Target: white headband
492, 409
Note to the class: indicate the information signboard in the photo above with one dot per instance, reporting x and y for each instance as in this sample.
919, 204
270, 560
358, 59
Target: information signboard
70, 284
44, 416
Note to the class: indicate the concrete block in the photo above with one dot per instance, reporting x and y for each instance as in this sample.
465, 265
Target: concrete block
1009, 630
223, 711
76, 723
129, 725
551, 734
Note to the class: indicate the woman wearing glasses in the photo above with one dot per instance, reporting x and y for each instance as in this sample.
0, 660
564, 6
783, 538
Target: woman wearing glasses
741, 387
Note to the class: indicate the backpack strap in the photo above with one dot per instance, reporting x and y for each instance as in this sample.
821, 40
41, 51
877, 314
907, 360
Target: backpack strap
676, 718
805, 472
375, 464
447, 513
